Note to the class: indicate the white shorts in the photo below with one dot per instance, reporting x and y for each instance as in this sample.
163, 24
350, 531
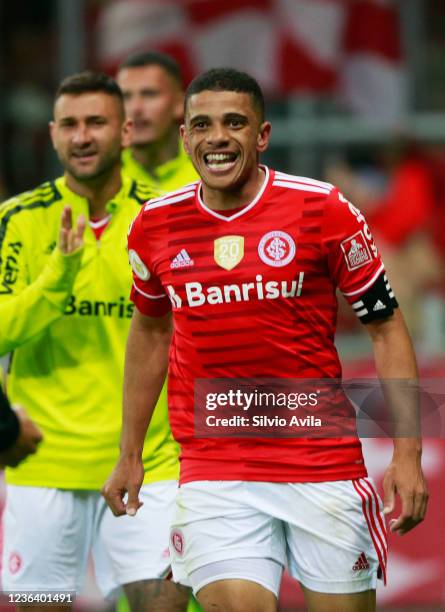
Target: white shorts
49, 533
330, 535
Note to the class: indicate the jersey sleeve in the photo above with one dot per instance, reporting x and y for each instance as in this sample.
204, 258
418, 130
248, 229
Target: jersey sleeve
147, 292
26, 308
354, 262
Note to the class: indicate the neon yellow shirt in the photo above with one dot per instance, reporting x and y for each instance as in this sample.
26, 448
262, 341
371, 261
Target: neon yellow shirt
172, 175
69, 345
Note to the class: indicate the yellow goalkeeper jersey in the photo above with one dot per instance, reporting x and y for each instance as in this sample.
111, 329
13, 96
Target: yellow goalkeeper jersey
68, 344
169, 176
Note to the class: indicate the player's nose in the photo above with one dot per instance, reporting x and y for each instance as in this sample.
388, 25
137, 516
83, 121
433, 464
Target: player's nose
81, 135
217, 135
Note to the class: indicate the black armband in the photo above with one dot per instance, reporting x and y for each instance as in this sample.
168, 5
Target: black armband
378, 302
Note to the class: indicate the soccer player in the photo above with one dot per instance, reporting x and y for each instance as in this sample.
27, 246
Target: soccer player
67, 369
153, 93
253, 296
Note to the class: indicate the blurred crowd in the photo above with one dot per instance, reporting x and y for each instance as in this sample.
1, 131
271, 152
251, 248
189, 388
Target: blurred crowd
401, 190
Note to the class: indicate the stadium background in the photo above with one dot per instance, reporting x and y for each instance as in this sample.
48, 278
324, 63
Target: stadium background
356, 95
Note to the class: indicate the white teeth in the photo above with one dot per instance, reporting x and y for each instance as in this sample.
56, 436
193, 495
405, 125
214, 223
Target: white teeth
219, 157
220, 166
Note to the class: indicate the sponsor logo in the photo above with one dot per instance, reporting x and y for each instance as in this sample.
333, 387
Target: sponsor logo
138, 266
122, 308
197, 295
228, 251
10, 267
379, 305
182, 260
276, 249
361, 219
361, 563
177, 540
356, 251
14, 563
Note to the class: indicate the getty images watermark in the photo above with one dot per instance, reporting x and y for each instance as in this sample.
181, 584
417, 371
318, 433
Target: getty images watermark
321, 408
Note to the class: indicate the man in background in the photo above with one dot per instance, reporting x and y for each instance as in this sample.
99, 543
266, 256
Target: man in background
68, 368
153, 94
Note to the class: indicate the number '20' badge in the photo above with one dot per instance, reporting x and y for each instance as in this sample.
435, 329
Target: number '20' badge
228, 251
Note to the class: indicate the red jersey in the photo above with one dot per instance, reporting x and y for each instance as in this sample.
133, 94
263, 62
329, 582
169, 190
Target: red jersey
253, 295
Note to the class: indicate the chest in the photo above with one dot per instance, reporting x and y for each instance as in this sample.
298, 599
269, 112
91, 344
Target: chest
255, 250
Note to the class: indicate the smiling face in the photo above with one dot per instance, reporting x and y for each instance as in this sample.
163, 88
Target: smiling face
223, 134
153, 101
88, 133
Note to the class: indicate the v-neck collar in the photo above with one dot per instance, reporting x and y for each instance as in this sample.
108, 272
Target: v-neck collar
239, 213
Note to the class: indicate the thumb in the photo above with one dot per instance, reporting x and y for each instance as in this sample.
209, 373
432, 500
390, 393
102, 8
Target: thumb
389, 496
133, 503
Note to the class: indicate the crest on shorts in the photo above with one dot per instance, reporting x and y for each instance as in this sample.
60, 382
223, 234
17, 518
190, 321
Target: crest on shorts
356, 251
14, 563
138, 266
228, 251
276, 249
177, 540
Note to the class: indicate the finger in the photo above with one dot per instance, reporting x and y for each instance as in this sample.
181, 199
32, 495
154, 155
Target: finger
81, 225
67, 219
114, 500
424, 505
389, 497
404, 521
70, 245
133, 503
63, 240
417, 506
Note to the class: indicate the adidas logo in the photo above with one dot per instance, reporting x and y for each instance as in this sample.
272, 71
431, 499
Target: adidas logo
361, 563
182, 260
379, 305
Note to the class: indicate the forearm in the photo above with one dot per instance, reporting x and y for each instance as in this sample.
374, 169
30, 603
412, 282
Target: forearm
25, 315
397, 370
145, 371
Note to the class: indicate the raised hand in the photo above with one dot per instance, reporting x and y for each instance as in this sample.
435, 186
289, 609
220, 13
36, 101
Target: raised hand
71, 239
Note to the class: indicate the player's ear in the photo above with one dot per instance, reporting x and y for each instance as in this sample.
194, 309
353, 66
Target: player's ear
52, 132
127, 133
185, 140
263, 136
178, 111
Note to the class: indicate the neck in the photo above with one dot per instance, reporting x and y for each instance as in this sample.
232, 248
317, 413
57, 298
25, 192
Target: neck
98, 191
217, 199
154, 154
